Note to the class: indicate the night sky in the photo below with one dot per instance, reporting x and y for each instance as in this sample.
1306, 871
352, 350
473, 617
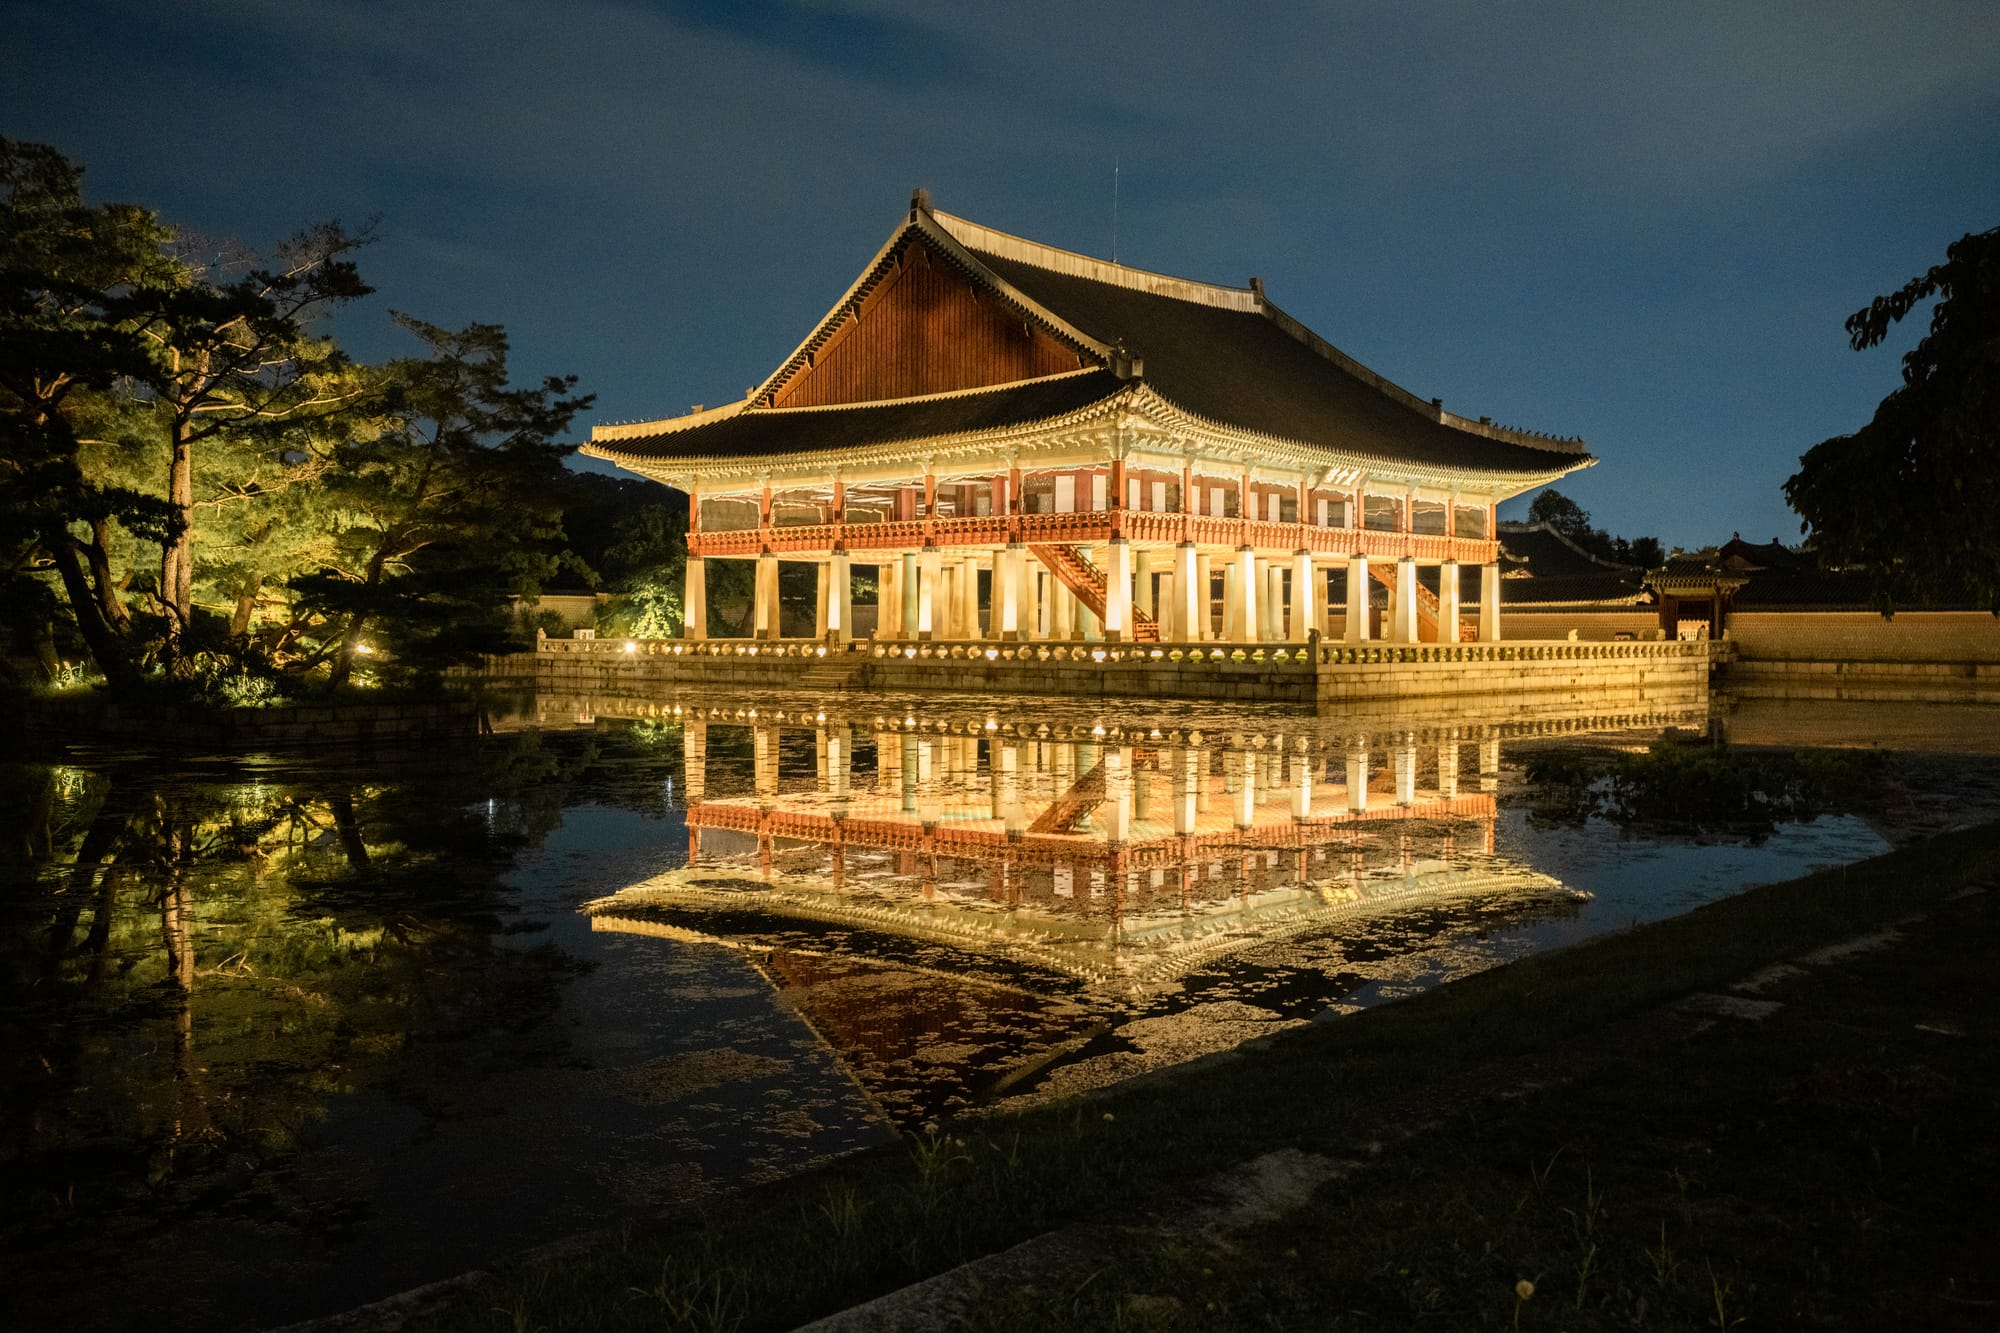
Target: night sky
1641, 224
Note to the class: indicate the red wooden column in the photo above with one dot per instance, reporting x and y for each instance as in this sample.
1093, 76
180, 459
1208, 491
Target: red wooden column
930, 504
1013, 504
1115, 497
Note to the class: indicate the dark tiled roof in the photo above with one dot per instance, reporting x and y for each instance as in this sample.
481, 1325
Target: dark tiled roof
1771, 555
1243, 369
1559, 572
812, 429
1548, 553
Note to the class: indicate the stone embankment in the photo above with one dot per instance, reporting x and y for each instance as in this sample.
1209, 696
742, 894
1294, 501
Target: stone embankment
1309, 675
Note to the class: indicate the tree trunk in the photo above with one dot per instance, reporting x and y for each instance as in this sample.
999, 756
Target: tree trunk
349, 829
246, 606
104, 643
98, 552
177, 552
350, 641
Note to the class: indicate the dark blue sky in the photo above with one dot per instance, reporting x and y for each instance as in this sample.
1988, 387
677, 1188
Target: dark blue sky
1642, 224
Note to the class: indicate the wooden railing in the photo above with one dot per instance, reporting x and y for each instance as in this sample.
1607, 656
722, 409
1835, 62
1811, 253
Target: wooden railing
988, 531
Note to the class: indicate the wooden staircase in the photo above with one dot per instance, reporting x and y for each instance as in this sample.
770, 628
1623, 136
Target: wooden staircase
1087, 582
1427, 601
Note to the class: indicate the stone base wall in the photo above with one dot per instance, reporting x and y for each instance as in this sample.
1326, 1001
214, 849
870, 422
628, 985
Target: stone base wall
1291, 683
1547, 674
1417, 677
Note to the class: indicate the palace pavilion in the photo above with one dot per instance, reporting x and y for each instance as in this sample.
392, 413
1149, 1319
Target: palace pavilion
1029, 444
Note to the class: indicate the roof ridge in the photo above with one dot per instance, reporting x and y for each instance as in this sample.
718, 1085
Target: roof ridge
982, 239
1433, 409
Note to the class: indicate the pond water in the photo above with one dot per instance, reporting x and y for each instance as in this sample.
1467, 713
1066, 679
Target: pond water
280, 1035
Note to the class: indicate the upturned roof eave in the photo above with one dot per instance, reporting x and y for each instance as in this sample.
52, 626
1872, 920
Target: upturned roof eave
1186, 434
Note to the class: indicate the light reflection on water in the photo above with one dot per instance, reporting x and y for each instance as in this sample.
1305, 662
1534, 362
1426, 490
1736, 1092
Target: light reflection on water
281, 1038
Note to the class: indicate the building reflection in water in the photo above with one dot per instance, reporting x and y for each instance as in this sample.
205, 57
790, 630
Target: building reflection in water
1089, 869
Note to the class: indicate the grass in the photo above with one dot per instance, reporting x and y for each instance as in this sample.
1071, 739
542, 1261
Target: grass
1820, 1167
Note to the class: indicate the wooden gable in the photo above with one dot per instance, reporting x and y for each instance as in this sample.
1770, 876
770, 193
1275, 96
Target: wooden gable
923, 329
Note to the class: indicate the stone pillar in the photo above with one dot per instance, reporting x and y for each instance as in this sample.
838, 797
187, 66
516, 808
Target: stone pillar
1117, 795
1062, 609
840, 599
1357, 779
1246, 790
1403, 627
1271, 621
1244, 628
1302, 788
1406, 772
968, 598
839, 761
1027, 570
1303, 619
1358, 616
1323, 614
1489, 603
1007, 778
1118, 591
764, 761
766, 625
907, 584
1489, 765
820, 575
1448, 602
1448, 768
1232, 604
1142, 585
694, 617
1189, 779
1088, 627
1005, 616
1190, 595
1204, 601
929, 566
694, 762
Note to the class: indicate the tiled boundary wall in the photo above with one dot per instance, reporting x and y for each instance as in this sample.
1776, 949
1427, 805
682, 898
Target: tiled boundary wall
1919, 656
1316, 675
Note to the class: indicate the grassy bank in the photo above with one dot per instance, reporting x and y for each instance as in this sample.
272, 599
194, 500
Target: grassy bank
1813, 1168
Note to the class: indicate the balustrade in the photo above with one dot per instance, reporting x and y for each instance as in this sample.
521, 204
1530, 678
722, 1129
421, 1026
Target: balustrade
1109, 655
1090, 526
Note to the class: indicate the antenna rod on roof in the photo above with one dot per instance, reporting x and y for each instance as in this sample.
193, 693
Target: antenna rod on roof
1114, 210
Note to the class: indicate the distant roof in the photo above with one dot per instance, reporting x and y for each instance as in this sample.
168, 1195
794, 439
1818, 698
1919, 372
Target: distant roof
1223, 355
1540, 566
